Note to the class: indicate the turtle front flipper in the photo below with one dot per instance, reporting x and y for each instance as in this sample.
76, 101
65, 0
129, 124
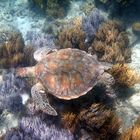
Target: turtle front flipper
25, 72
41, 101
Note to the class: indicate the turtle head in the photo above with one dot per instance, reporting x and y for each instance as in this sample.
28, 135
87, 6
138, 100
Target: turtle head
41, 53
25, 72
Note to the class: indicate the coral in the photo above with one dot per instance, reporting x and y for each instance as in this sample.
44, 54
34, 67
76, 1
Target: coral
111, 43
91, 23
69, 121
124, 75
55, 26
36, 129
10, 97
87, 6
12, 48
57, 8
38, 40
132, 133
53, 8
28, 56
123, 3
136, 28
72, 36
100, 121
125, 10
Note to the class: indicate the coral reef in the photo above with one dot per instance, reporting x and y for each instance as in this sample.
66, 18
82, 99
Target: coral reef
28, 58
132, 133
57, 8
125, 10
12, 48
124, 75
56, 26
87, 6
38, 40
36, 129
53, 8
91, 23
10, 94
72, 36
69, 121
100, 121
111, 43
123, 3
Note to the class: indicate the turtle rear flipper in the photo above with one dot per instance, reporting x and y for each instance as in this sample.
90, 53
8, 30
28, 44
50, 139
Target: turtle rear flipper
41, 101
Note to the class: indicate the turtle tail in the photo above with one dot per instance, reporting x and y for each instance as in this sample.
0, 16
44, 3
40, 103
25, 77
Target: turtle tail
25, 72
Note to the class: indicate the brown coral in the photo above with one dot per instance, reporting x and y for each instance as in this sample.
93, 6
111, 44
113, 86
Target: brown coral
53, 8
12, 49
111, 43
124, 75
72, 36
69, 121
28, 56
99, 120
132, 133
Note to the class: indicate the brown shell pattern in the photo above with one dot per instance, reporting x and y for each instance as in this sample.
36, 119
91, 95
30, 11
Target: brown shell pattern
68, 73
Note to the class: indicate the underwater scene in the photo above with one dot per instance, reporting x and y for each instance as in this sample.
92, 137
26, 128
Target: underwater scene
69, 69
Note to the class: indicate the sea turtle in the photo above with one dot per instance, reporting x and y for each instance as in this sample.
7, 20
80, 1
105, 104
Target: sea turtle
66, 74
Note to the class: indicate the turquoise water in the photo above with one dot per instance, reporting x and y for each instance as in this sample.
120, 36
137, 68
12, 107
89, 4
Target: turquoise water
28, 25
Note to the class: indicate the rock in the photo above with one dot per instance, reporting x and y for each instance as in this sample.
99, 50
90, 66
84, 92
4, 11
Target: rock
136, 28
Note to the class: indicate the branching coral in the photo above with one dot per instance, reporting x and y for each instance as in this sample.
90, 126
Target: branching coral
124, 75
56, 26
10, 97
57, 8
11, 47
87, 6
28, 58
111, 43
38, 40
99, 120
132, 133
69, 121
54, 8
91, 23
36, 129
72, 36
12, 50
